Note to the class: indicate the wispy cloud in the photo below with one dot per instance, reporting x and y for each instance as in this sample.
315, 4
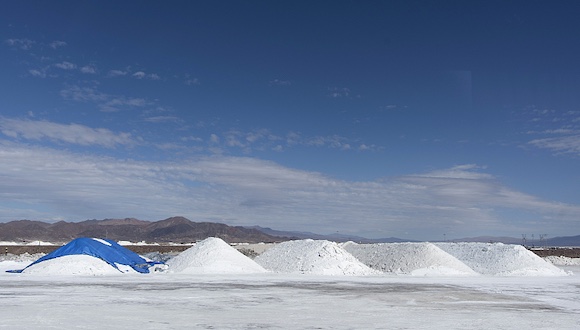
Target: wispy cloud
105, 102
89, 69
163, 119
71, 133
338, 92
564, 144
242, 191
192, 82
559, 131
117, 73
278, 82
66, 65
37, 73
143, 75
57, 44
264, 139
24, 44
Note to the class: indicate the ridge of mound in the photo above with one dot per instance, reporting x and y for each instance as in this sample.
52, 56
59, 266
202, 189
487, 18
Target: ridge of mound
309, 256
213, 256
419, 259
78, 264
501, 259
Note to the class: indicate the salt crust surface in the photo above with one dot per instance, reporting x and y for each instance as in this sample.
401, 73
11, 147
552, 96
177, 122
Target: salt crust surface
312, 257
417, 259
501, 259
213, 256
78, 264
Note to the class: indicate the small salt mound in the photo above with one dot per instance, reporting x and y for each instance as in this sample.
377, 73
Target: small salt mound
312, 257
418, 259
562, 261
501, 259
213, 256
78, 264
39, 243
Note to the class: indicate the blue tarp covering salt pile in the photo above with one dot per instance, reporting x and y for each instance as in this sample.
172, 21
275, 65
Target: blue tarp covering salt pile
107, 250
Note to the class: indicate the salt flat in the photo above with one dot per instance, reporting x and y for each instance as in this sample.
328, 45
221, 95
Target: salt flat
282, 301
311, 287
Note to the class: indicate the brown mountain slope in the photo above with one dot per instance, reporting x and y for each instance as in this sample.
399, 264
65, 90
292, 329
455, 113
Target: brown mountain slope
175, 229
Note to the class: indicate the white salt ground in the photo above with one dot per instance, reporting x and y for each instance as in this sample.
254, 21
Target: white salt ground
417, 259
213, 256
318, 257
79, 264
501, 259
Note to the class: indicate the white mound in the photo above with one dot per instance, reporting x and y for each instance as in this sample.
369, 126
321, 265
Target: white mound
78, 264
312, 257
419, 259
562, 261
501, 259
213, 256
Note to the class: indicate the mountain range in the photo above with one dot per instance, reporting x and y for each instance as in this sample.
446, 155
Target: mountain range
182, 230
174, 229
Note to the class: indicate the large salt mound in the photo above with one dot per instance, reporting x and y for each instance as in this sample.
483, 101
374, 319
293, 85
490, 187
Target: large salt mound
312, 257
213, 256
419, 259
501, 259
78, 264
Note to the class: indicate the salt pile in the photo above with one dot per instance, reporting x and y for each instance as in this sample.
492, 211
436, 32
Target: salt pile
213, 256
419, 259
562, 261
501, 259
76, 265
312, 257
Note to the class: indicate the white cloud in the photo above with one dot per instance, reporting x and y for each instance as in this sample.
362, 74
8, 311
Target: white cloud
71, 133
568, 144
192, 82
89, 69
139, 75
117, 73
66, 65
559, 130
143, 75
278, 82
247, 191
105, 102
24, 44
339, 92
37, 73
57, 43
161, 119
83, 94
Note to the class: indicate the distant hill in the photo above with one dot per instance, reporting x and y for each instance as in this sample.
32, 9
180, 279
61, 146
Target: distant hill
564, 241
175, 229
182, 230
330, 237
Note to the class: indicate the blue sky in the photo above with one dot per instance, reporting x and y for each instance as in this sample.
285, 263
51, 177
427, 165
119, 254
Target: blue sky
414, 119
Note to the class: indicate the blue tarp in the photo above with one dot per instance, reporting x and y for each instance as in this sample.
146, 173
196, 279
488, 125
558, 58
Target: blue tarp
107, 250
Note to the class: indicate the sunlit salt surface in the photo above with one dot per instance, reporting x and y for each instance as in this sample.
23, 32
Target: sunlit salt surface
175, 300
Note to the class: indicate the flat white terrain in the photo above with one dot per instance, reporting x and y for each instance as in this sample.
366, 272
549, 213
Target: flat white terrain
425, 294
